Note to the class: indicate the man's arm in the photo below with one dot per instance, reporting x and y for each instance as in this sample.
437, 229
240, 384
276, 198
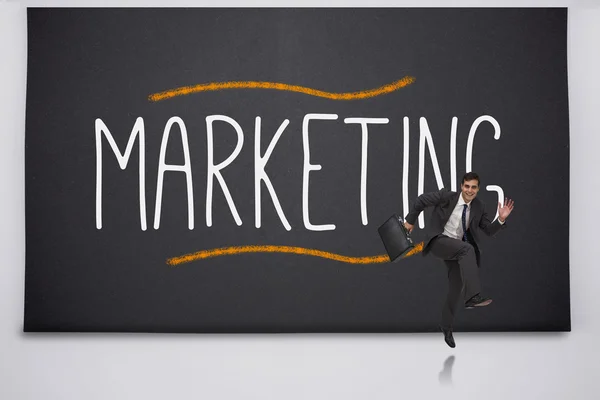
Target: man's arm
491, 228
423, 201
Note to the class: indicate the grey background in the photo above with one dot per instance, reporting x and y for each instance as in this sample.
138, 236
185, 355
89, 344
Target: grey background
87, 64
550, 366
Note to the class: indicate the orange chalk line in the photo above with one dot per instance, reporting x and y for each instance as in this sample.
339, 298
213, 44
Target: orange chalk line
226, 251
213, 86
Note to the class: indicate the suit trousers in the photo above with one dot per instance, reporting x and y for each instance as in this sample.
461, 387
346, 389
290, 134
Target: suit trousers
463, 272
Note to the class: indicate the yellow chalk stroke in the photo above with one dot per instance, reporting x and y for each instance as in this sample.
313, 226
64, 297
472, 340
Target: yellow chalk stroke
214, 86
227, 251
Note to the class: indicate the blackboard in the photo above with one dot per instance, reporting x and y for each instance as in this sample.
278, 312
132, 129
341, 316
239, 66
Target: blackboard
153, 134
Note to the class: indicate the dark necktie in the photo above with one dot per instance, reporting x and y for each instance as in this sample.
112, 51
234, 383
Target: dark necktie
464, 222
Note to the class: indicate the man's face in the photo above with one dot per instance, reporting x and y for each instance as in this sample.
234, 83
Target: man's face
469, 189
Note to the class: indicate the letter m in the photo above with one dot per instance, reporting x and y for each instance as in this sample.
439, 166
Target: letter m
123, 159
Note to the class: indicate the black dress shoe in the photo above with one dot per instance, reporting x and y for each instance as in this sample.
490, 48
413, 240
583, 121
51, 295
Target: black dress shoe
477, 301
448, 338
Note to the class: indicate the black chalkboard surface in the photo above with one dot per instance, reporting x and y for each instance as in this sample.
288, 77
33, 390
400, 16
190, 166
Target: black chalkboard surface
226, 170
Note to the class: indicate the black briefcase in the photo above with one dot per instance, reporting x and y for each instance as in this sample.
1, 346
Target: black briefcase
395, 237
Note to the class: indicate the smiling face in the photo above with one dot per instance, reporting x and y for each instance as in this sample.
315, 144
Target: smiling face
469, 189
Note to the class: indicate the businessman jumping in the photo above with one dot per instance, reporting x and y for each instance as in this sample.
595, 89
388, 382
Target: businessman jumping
454, 231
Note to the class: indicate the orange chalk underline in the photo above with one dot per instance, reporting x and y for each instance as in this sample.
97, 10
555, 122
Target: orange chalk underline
214, 86
227, 251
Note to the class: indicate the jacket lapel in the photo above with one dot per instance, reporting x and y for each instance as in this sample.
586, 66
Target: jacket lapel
474, 209
451, 207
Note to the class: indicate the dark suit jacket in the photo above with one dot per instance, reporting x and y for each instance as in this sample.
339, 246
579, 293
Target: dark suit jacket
444, 202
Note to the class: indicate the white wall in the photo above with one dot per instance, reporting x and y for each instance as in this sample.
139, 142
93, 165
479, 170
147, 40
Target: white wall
124, 366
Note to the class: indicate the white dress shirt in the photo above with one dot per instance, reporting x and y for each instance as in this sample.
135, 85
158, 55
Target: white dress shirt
454, 227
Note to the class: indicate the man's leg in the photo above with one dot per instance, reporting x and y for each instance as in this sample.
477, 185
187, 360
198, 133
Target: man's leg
449, 249
455, 287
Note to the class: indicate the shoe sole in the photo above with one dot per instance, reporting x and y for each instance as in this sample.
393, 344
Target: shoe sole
449, 344
482, 304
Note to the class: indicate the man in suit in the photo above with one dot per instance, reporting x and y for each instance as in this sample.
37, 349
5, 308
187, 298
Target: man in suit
454, 231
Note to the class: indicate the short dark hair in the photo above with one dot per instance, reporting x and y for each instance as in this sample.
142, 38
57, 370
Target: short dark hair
469, 176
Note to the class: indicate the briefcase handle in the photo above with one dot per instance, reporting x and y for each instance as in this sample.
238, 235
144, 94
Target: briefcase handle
406, 232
